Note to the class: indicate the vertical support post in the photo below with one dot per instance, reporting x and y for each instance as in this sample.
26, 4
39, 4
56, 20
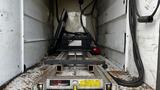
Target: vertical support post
158, 66
22, 33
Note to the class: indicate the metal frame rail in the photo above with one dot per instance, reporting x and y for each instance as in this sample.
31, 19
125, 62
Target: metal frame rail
85, 59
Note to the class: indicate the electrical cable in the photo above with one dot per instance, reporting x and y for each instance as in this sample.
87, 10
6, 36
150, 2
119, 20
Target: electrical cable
50, 17
158, 4
85, 29
57, 11
51, 24
94, 5
154, 12
137, 58
147, 18
92, 10
83, 13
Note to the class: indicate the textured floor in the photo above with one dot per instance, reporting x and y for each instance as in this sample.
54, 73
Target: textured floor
28, 79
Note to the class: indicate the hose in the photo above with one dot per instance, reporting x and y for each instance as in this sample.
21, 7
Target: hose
137, 58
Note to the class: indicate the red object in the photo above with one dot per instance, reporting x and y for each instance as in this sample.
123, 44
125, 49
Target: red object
96, 51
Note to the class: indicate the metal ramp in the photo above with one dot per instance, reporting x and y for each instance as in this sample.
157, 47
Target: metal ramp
75, 71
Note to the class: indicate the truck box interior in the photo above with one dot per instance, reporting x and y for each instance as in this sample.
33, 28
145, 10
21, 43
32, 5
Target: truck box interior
122, 31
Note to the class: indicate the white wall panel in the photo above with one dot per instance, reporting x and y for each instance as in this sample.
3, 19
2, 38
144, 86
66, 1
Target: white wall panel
115, 10
36, 31
36, 9
10, 40
115, 41
34, 52
114, 34
112, 29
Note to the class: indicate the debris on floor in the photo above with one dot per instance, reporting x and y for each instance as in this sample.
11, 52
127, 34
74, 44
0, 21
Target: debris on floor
27, 80
117, 72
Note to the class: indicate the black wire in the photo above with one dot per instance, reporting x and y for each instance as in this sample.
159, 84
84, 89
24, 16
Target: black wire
85, 29
51, 23
90, 13
81, 20
57, 12
94, 5
154, 12
83, 13
158, 3
137, 58
50, 17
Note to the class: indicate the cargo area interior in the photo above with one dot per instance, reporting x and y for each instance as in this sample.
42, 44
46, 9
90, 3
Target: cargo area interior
33, 32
